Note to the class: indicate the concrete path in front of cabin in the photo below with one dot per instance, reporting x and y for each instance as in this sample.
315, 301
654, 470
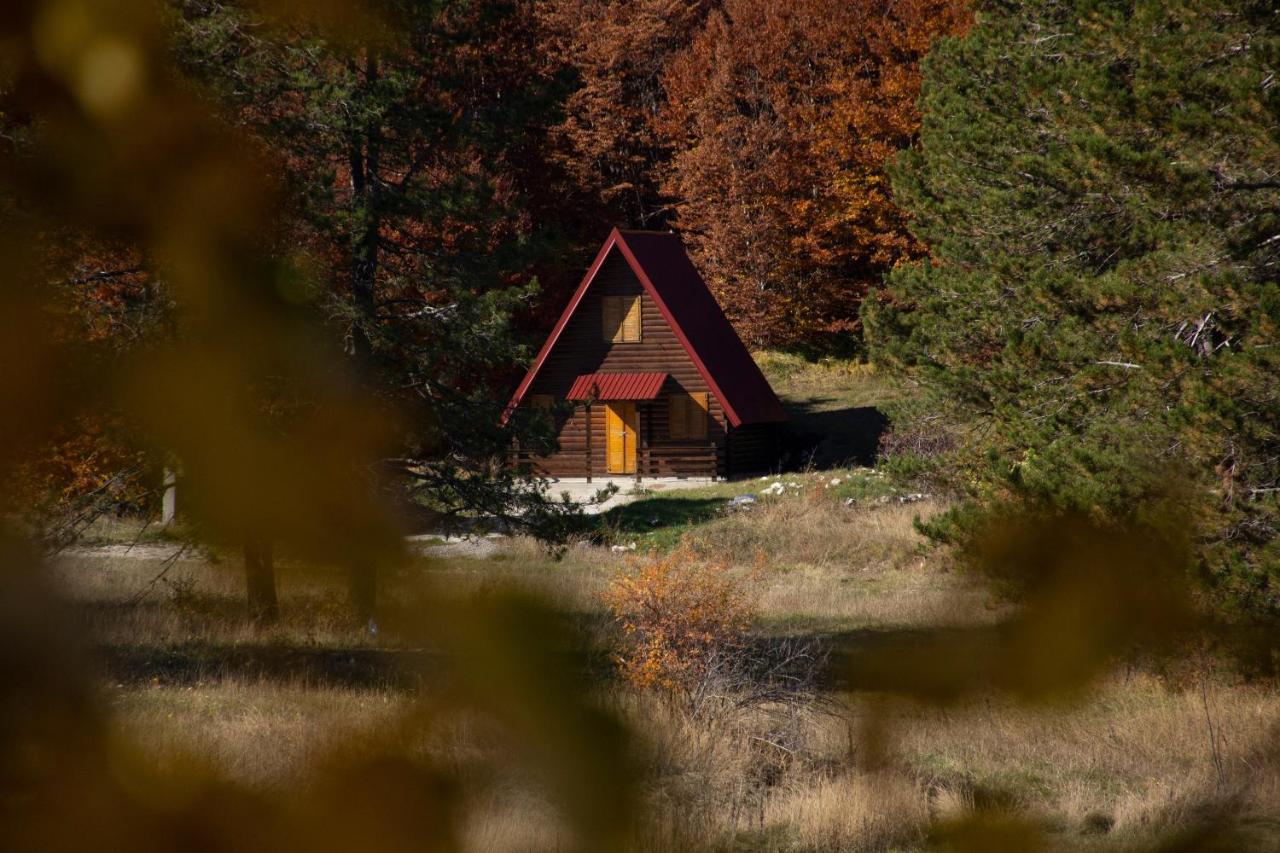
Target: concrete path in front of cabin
628, 488
435, 544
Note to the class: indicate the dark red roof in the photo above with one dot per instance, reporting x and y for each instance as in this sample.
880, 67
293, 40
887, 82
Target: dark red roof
617, 386
664, 269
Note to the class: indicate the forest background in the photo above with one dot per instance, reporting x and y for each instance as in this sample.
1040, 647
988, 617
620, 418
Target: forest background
1077, 275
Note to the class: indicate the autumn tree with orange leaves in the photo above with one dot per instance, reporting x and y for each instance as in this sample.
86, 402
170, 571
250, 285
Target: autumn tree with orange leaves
105, 303
782, 117
606, 141
758, 130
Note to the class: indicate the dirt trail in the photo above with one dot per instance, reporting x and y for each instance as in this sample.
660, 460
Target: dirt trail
478, 547
159, 551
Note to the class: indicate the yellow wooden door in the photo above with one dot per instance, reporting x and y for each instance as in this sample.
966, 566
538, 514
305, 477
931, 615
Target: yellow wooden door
621, 426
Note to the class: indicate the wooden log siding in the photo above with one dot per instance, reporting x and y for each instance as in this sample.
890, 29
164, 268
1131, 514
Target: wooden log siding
582, 349
754, 449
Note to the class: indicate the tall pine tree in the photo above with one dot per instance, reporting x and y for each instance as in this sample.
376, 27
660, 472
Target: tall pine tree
1099, 183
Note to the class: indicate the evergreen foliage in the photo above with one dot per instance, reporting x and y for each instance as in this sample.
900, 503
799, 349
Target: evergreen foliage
402, 152
1099, 183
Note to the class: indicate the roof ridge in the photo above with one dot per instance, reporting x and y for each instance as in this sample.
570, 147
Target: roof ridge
688, 306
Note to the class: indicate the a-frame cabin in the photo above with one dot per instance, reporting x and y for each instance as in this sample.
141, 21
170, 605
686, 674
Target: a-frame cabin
646, 376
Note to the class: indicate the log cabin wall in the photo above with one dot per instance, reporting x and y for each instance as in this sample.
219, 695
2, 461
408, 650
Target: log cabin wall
754, 449
581, 349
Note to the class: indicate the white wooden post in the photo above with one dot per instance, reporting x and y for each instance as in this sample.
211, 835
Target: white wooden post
169, 505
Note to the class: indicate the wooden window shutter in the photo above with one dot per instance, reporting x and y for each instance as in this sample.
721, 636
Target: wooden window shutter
620, 317
697, 415
631, 324
678, 416
687, 415
611, 311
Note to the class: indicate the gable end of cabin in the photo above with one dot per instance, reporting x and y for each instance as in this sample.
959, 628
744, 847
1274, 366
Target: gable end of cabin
627, 398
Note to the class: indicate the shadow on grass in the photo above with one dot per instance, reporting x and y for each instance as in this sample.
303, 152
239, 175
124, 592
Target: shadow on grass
360, 661
831, 437
198, 663
835, 654
204, 662
661, 514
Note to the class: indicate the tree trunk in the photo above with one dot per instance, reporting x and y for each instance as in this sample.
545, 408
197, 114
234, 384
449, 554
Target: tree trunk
364, 155
260, 579
362, 590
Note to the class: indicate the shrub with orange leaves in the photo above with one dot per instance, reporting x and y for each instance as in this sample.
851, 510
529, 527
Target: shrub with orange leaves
83, 470
682, 615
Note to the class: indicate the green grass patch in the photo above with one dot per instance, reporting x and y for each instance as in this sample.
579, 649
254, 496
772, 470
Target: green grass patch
830, 382
659, 519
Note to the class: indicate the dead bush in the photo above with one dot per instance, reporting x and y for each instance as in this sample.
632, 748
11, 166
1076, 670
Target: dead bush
925, 439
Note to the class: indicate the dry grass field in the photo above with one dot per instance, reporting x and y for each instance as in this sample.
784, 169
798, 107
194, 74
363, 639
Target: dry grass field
822, 557
1129, 763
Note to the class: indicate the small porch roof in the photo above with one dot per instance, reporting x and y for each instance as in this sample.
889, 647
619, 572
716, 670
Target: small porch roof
617, 386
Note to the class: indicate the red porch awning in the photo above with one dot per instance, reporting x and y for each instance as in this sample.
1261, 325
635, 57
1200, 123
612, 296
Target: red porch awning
617, 386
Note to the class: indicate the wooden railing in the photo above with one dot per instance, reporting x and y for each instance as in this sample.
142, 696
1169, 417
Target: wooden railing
677, 460
662, 460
